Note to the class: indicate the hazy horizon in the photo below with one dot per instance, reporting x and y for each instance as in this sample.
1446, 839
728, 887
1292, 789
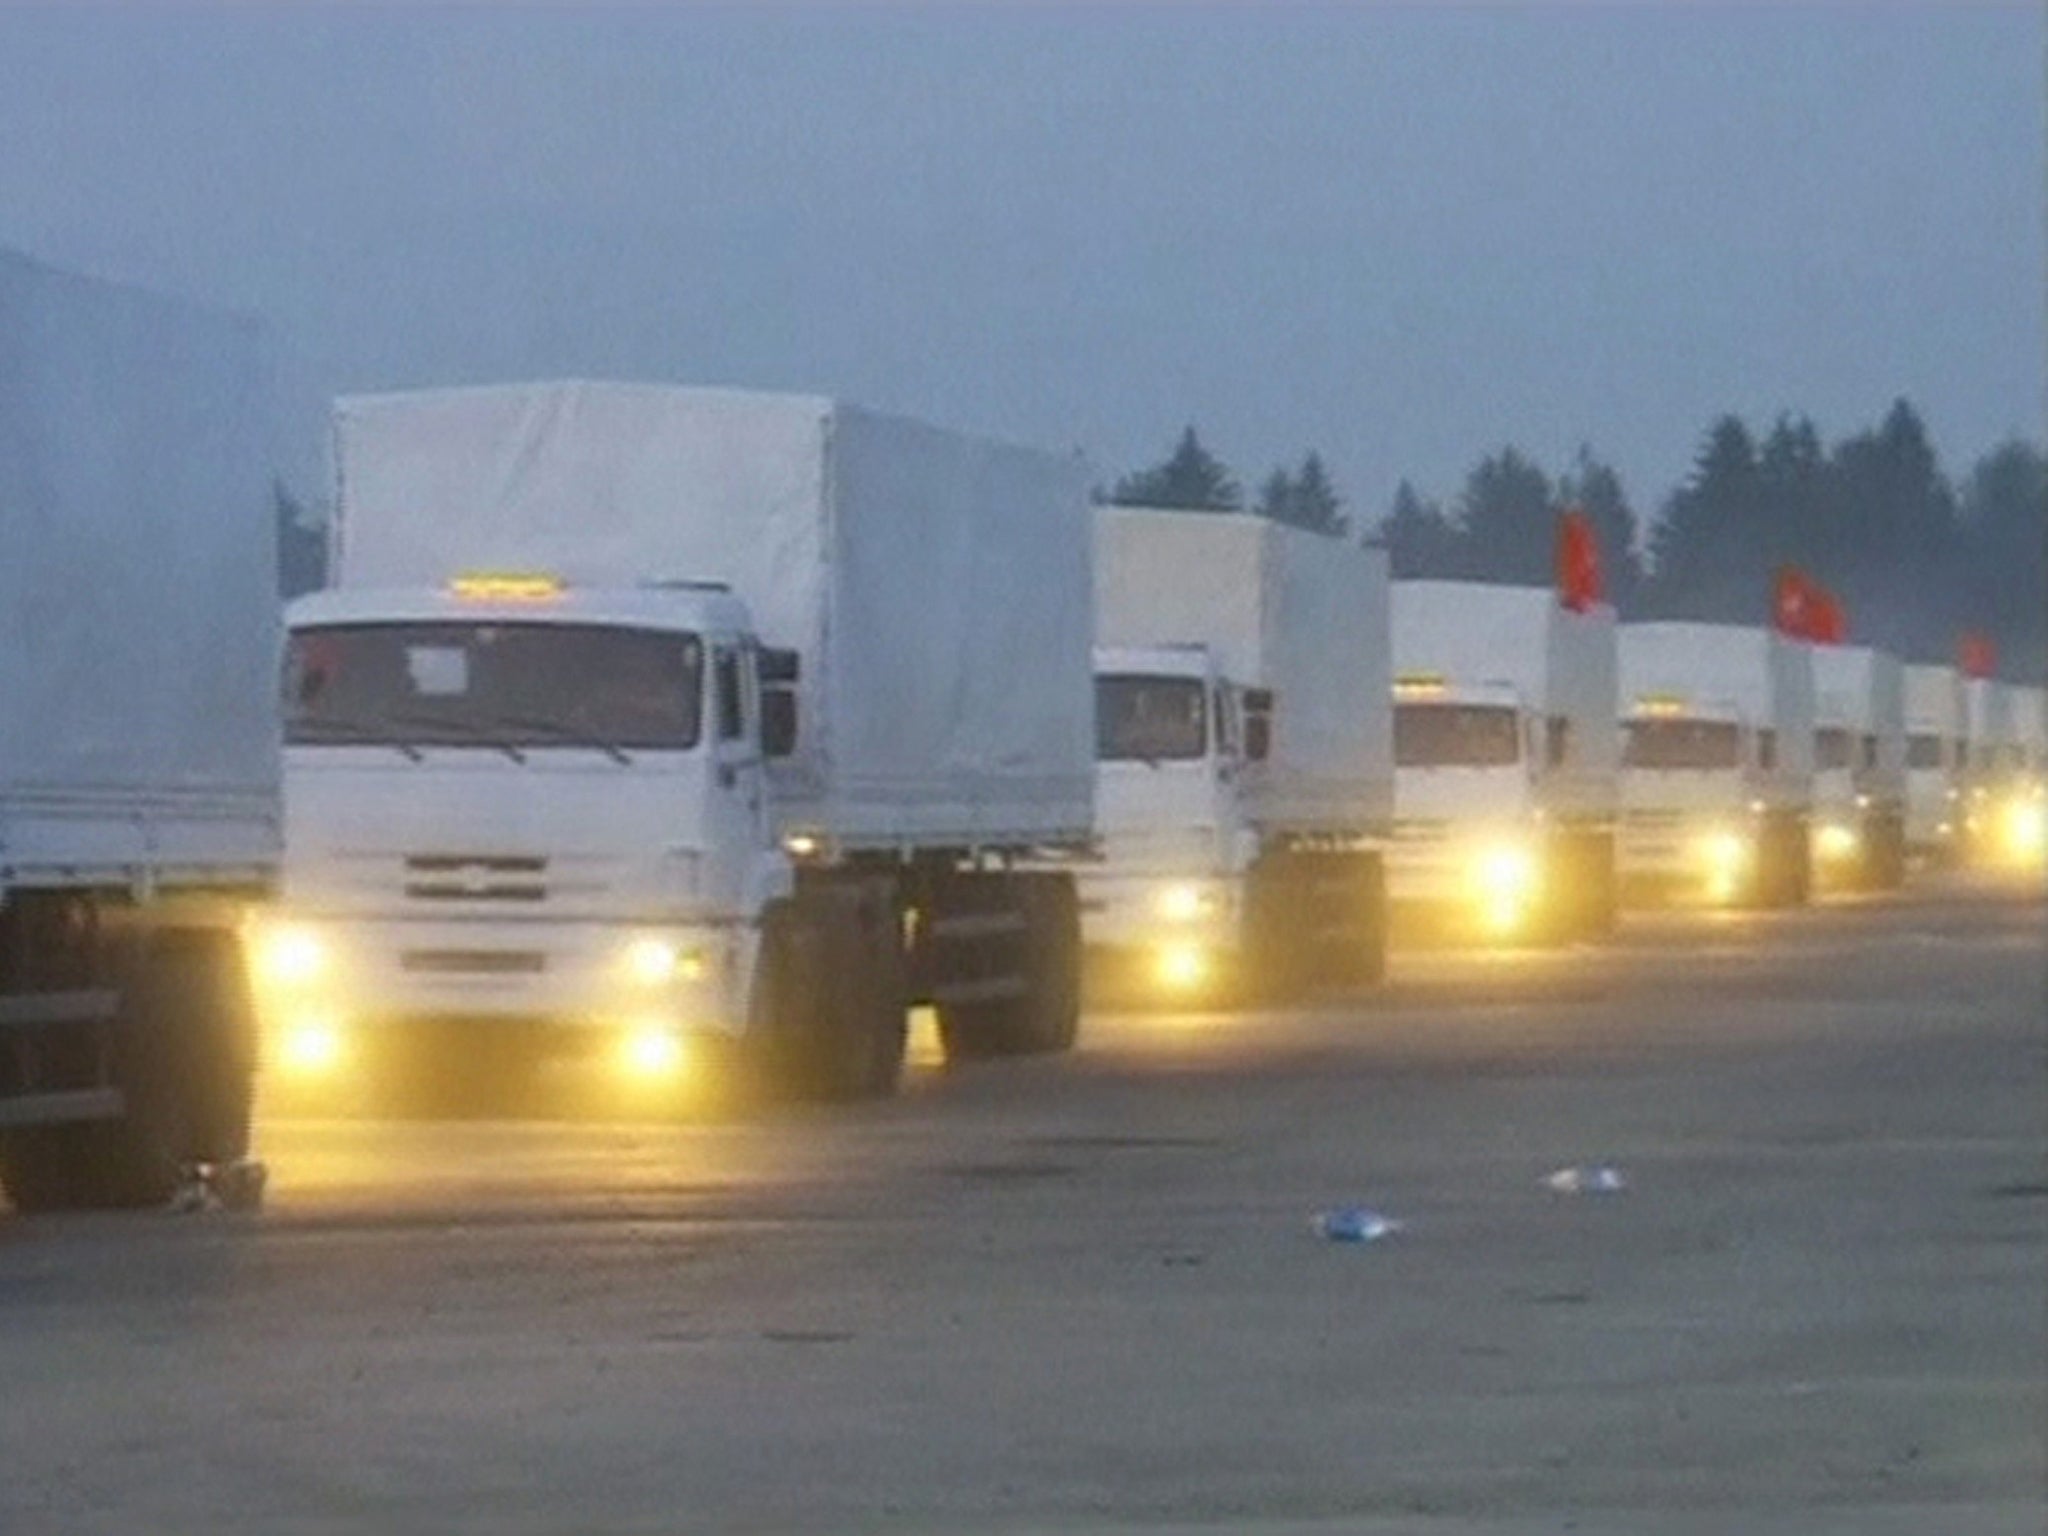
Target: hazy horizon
1403, 237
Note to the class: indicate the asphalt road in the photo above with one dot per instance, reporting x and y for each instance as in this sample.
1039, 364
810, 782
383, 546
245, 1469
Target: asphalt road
1085, 1294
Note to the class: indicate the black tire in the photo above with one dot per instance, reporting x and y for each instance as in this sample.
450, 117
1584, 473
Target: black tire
183, 1055
1278, 963
830, 1008
1048, 954
1362, 962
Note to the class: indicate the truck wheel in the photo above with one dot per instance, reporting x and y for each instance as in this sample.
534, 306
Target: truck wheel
183, 1045
1047, 957
1277, 926
831, 1009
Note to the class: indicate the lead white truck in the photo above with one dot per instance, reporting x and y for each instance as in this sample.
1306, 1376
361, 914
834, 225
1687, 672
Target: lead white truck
644, 717
1507, 760
138, 738
1935, 760
1717, 764
1859, 767
1244, 777
2003, 805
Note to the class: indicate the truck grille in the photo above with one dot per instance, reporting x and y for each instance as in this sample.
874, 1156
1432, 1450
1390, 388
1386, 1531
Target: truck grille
474, 962
459, 877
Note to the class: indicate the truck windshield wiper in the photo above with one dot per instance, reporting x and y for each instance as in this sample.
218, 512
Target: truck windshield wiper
369, 732
479, 733
569, 733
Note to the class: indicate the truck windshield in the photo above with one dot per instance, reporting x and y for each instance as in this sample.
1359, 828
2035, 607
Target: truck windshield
1456, 736
491, 685
1682, 744
1149, 719
1831, 747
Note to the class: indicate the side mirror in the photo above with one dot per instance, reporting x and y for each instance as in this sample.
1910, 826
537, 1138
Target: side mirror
778, 722
779, 666
1258, 724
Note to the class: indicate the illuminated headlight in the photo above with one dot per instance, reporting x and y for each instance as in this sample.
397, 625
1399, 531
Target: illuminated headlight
1723, 852
290, 957
1184, 903
1181, 967
2026, 829
1835, 841
1505, 872
653, 961
652, 1052
803, 845
310, 1047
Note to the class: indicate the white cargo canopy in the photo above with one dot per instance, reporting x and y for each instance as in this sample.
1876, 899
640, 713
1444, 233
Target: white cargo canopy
1752, 675
137, 682
1558, 663
935, 586
1299, 613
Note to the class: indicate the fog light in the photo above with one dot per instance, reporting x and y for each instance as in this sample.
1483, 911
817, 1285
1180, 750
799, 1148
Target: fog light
652, 1051
1182, 967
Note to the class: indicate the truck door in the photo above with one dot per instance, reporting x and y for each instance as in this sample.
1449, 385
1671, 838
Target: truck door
736, 831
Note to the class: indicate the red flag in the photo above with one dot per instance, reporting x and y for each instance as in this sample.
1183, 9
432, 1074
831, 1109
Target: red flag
1579, 583
1830, 623
1792, 602
1977, 654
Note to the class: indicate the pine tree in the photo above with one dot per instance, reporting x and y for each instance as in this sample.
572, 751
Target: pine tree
1420, 540
1191, 479
1317, 506
1710, 556
1507, 521
1276, 497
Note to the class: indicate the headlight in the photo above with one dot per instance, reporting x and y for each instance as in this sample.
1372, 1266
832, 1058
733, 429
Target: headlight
310, 1047
1184, 903
652, 1052
1835, 841
2026, 829
1181, 967
1723, 852
1506, 871
653, 961
290, 957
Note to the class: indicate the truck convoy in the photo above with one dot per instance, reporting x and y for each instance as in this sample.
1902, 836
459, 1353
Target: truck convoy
1243, 756
1717, 763
1935, 760
138, 738
644, 717
1507, 761
1859, 778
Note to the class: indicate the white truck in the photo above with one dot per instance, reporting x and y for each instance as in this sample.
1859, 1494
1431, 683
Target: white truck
1935, 760
138, 737
1859, 767
1507, 757
1717, 763
2003, 807
1243, 756
645, 716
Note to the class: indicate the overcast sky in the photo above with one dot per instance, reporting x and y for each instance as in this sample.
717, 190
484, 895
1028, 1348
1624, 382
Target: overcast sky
1401, 236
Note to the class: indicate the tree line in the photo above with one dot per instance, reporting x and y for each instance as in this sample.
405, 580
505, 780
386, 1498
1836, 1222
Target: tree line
1915, 557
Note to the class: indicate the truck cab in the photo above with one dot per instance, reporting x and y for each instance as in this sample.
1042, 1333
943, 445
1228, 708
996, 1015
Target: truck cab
1717, 764
1467, 818
513, 803
1173, 740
